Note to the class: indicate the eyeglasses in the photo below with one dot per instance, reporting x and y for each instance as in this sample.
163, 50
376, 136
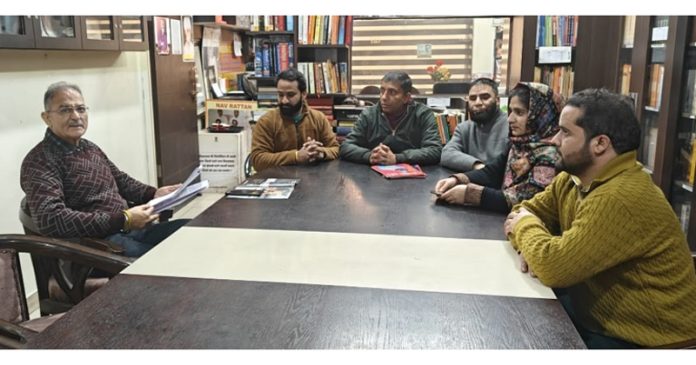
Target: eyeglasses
67, 111
483, 97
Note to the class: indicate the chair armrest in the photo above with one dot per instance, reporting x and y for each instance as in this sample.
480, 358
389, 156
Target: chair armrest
61, 249
102, 245
13, 336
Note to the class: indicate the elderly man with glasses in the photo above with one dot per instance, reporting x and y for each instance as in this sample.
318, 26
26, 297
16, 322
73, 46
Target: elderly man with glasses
483, 138
74, 190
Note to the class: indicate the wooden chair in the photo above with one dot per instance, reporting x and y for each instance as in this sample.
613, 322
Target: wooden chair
15, 326
55, 278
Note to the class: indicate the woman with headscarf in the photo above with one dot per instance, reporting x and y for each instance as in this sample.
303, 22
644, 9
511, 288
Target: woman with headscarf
530, 164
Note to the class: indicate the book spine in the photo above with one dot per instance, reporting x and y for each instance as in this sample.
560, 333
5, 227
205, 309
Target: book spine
290, 23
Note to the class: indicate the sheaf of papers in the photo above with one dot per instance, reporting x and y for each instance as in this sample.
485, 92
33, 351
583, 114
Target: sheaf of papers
180, 195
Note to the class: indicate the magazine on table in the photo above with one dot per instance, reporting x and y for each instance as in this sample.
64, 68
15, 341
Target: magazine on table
270, 188
181, 194
400, 171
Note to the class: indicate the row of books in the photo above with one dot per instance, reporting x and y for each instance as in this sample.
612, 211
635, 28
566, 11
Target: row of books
272, 58
325, 29
556, 31
559, 78
446, 124
323, 104
272, 23
657, 75
689, 102
346, 116
325, 77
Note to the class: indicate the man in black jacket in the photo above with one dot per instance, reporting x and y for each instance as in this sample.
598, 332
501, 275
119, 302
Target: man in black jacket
394, 131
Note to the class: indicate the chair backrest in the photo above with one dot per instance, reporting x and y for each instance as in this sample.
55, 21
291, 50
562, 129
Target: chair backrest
25, 218
247, 166
451, 87
13, 303
369, 90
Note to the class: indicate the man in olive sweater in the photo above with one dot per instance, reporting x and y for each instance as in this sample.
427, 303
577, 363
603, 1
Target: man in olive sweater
293, 133
606, 234
394, 131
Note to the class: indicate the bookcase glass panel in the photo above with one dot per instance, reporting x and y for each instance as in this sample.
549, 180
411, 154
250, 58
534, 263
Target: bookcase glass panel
652, 100
100, 28
132, 29
57, 26
12, 25
685, 158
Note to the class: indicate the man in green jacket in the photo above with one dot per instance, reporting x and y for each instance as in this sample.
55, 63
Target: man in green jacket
605, 233
394, 131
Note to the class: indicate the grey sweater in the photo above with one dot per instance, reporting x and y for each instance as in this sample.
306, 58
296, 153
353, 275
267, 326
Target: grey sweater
473, 142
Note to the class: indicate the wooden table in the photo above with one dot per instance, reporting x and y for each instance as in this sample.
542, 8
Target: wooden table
351, 260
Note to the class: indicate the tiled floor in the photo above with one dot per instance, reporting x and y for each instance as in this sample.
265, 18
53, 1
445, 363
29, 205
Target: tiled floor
192, 209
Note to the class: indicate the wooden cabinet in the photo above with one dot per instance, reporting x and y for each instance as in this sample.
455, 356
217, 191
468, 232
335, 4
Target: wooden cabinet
114, 33
16, 32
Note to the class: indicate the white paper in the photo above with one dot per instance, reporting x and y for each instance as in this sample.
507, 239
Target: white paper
177, 196
175, 26
555, 55
438, 102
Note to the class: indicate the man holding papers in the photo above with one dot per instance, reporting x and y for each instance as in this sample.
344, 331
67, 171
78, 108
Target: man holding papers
74, 190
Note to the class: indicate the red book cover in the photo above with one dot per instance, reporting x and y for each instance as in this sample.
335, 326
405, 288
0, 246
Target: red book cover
400, 171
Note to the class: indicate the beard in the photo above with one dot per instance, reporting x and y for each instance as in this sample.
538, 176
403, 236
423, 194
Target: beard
484, 115
291, 110
575, 163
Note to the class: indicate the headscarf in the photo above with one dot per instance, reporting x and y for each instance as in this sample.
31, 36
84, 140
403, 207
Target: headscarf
532, 158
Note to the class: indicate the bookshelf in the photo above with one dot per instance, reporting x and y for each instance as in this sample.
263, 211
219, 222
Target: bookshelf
318, 46
594, 41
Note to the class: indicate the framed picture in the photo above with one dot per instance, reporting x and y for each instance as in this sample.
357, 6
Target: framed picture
162, 35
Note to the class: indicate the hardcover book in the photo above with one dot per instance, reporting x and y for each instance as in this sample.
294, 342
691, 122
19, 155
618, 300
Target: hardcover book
400, 171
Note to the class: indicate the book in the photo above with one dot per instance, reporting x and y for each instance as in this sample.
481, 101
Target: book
271, 188
186, 190
400, 171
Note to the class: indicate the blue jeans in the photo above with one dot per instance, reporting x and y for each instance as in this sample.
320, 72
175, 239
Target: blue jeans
136, 243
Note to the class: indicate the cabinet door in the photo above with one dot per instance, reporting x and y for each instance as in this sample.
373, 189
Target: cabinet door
58, 32
176, 127
99, 32
16, 32
132, 33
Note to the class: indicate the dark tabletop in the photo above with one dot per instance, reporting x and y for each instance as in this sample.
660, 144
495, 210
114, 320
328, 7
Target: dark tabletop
341, 196
135, 311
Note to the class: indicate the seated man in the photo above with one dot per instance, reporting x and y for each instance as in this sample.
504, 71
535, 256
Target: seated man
477, 142
603, 231
293, 133
74, 190
394, 131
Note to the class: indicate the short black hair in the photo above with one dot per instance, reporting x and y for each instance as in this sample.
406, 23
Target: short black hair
488, 82
401, 78
291, 75
608, 113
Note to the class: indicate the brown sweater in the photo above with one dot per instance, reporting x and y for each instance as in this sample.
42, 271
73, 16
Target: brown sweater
276, 139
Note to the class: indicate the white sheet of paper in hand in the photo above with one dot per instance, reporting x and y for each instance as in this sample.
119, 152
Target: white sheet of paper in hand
157, 203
